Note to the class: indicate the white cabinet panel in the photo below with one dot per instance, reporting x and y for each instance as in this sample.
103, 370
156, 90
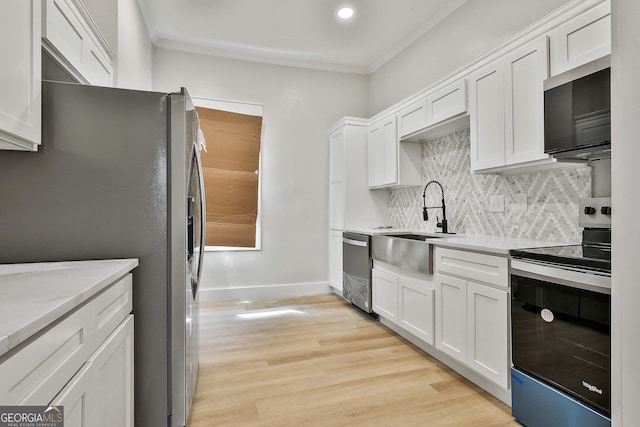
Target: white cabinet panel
71, 40
335, 260
416, 313
447, 102
76, 398
527, 68
385, 294
506, 110
479, 267
487, 332
487, 111
56, 355
112, 376
392, 163
451, 317
585, 38
20, 109
413, 118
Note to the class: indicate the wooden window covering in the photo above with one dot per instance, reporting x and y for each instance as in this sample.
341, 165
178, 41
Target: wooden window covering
230, 169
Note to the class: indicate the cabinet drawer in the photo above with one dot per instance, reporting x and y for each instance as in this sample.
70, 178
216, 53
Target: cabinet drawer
470, 265
112, 306
36, 373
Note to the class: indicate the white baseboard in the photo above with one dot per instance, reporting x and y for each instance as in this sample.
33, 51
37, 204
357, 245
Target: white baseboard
271, 291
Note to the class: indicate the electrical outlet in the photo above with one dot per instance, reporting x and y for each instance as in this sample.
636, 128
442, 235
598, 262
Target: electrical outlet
496, 204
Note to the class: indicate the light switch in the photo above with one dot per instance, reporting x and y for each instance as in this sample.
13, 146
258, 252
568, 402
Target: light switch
496, 204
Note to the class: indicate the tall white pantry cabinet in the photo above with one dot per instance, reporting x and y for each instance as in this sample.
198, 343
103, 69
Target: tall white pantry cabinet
352, 206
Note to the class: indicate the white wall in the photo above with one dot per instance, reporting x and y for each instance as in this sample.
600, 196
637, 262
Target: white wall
625, 176
299, 107
135, 50
105, 15
471, 30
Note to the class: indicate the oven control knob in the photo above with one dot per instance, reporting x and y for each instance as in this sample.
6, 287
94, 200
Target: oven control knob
605, 210
589, 210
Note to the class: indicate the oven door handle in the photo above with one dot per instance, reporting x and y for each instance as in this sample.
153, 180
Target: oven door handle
573, 278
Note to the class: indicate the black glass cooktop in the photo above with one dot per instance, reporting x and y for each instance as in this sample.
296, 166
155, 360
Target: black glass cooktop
593, 254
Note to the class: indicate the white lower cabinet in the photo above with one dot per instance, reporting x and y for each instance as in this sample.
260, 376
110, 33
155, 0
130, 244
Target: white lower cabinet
416, 308
451, 330
335, 260
472, 314
405, 298
385, 294
84, 362
487, 332
101, 393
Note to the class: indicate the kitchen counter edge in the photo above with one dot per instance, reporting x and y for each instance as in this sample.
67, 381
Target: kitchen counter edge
35, 295
471, 242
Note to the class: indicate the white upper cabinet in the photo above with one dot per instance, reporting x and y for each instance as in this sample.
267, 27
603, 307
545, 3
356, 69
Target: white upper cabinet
487, 111
527, 68
392, 163
71, 37
20, 111
432, 115
582, 39
413, 118
506, 110
448, 102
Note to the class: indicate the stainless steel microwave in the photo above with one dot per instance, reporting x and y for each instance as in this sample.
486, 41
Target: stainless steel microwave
577, 113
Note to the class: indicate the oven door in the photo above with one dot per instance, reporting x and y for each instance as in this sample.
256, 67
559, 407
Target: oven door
561, 335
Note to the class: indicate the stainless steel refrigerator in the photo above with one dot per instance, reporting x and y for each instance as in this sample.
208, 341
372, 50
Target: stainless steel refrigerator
118, 176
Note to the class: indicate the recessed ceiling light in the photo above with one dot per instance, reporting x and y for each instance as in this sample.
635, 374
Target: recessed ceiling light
345, 12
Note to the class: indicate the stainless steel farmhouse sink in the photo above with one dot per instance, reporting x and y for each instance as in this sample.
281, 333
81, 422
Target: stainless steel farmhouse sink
408, 251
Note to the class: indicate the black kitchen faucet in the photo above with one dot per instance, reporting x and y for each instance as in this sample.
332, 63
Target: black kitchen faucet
425, 215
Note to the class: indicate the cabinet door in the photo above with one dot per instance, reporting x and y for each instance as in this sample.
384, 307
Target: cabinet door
451, 317
416, 312
336, 181
385, 294
413, 118
585, 38
20, 110
527, 68
447, 102
383, 153
487, 332
76, 398
335, 260
390, 138
112, 366
486, 110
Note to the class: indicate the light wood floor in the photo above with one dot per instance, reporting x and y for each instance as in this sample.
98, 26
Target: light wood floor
324, 364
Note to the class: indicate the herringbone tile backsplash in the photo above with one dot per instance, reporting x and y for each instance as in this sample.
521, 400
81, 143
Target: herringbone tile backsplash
552, 196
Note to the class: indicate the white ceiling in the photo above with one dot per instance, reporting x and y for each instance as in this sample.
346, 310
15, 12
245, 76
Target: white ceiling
294, 32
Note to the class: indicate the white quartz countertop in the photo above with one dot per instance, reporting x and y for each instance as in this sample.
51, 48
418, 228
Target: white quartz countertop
37, 294
471, 242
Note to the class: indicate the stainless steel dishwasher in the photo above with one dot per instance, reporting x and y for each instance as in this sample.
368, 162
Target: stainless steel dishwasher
356, 270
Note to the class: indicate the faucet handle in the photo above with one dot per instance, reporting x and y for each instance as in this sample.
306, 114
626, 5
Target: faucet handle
438, 222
